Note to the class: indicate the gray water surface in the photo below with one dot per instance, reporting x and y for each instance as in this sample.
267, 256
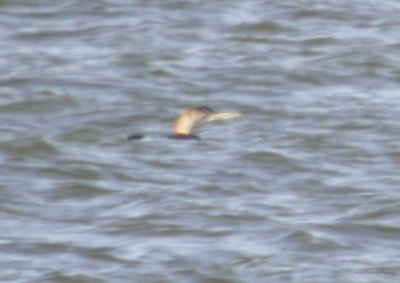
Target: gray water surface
304, 187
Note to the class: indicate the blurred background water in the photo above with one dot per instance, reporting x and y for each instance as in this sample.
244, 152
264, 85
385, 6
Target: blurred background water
303, 188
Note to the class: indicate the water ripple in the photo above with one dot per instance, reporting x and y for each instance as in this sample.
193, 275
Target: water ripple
302, 188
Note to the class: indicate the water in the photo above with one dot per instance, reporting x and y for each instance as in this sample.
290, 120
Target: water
303, 188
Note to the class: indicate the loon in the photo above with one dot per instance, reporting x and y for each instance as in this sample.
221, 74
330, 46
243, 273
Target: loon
186, 122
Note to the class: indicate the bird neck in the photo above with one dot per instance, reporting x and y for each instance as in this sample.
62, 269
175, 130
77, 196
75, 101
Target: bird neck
184, 124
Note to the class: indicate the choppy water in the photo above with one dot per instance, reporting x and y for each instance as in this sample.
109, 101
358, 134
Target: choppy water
303, 188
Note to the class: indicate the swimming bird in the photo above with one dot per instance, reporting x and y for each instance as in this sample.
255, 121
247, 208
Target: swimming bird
189, 119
